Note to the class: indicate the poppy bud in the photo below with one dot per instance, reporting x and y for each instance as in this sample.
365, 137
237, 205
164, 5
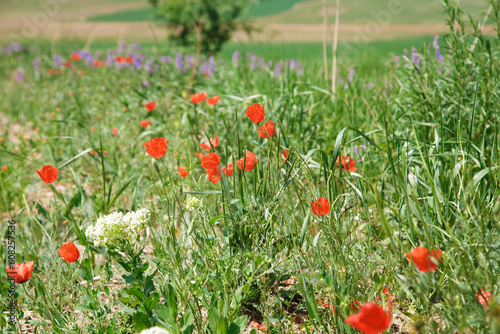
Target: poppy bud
154, 163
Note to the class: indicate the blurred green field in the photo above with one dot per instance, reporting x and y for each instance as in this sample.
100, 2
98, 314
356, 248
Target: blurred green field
264, 8
311, 12
143, 14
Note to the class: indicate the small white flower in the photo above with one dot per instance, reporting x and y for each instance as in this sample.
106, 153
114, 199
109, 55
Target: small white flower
155, 330
110, 228
192, 203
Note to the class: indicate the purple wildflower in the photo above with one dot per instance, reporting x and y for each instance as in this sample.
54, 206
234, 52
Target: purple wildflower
439, 57
57, 60
351, 74
145, 83
148, 66
363, 146
292, 64
436, 42
236, 58
137, 62
121, 47
278, 68
166, 59
211, 65
136, 47
188, 61
19, 75
203, 68
36, 64
415, 57
111, 59
356, 149
89, 59
178, 61
12, 48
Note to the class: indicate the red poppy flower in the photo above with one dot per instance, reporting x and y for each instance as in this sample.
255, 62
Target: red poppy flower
75, 56
213, 175
211, 160
372, 319
215, 143
95, 63
348, 163
268, 130
256, 113
119, 59
421, 256
182, 171
355, 305
21, 271
150, 106
69, 252
128, 60
483, 297
320, 207
114, 132
156, 147
67, 63
48, 174
285, 155
290, 281
250, 161
261, 328
198, 98
145, 124
199, 155
228, 171
213, 100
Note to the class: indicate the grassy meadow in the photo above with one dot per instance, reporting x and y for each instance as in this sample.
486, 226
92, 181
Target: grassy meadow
311, 11
132, 197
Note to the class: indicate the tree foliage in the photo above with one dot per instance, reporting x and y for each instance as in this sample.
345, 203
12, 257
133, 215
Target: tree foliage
216, 19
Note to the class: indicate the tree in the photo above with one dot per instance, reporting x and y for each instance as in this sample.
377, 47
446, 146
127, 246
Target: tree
215, 20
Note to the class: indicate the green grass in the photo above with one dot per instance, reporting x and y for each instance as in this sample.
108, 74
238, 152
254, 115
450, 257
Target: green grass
366, 11
264, 8
143, 14
272, 7
418, 167
313, 52
309, 12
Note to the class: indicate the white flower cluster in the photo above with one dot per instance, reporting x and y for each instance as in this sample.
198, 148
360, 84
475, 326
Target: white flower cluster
155, 330
192, 203
108, 229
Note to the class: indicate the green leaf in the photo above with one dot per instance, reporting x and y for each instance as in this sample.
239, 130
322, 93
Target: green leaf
75, 157
141, 321
479, 176
42, 210
303, 232
213, 220
238, 326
